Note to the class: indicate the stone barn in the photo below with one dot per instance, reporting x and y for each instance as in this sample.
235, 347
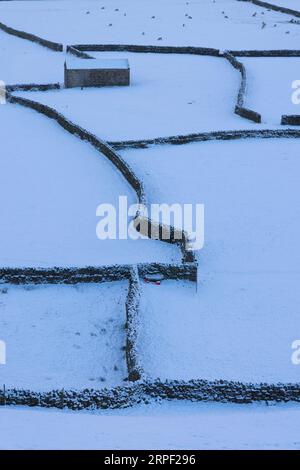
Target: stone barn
96, 72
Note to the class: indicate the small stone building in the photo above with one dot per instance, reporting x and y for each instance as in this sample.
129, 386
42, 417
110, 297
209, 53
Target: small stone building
96, 72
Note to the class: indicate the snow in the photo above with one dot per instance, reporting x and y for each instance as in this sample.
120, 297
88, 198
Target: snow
247, 298
176, 425
169, 94
224, 24
293, 4
220, 331
63, 336
240, 320
78, 64
249, 188
191, 99
52, 184
269, 88
26, 62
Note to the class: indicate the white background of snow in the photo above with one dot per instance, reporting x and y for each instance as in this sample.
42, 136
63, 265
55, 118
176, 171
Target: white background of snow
63, 336
175, 94
168, 95
249, 266
293, 4
208, 26
52, 183
269, 89
250, 192
26, 62
174, 425
261, 427
221, 331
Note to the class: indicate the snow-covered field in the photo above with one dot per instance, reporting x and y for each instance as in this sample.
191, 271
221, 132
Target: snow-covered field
169, 94
176, 425
52, 184
225, 24
221, 331
241, 318
247, 299
70, 337
250, 192
191, 99
293, 4
270, 89
26, 62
